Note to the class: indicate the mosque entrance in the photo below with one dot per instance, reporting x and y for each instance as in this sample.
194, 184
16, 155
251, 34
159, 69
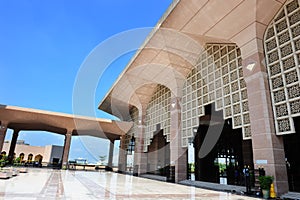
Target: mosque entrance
229, 153
158, 155
292, 149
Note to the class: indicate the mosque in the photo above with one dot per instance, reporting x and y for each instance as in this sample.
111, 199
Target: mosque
222, 76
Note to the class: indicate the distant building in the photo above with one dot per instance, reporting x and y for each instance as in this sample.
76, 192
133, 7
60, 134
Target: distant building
49, 154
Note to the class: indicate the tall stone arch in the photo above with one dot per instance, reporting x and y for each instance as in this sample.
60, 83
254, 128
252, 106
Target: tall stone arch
282, 50
217, 78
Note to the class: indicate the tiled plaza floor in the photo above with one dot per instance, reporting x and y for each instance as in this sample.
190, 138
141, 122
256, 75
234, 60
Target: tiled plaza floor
59, 184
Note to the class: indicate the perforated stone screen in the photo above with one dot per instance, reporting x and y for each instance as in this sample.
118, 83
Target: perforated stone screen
217, 78
158, 115
282, 49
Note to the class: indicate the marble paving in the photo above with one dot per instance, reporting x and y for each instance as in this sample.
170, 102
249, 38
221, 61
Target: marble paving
63, 184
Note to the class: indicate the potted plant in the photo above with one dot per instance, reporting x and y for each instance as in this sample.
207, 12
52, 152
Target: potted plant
265, 184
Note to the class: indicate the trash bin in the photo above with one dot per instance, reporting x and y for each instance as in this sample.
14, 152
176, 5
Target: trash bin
171, 174
136, 170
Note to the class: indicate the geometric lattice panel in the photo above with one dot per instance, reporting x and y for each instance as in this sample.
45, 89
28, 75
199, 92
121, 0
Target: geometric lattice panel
217, 78
282, 50
158, 115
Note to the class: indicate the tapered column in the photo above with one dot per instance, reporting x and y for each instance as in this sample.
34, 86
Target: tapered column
178, 154
140, 157
13, 146
3, 129
268, 149
66, 151
110, 155
122, 156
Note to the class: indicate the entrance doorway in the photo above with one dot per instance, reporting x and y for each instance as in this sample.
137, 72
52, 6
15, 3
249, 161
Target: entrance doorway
159, 155
292, 149
224, 163
230, 155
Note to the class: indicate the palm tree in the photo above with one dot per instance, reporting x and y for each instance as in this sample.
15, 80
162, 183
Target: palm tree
102, 159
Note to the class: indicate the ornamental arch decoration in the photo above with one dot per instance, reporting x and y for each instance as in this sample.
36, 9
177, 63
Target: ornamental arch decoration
217, 78
158, 115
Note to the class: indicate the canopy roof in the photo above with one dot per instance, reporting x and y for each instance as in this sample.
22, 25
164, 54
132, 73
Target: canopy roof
38, 120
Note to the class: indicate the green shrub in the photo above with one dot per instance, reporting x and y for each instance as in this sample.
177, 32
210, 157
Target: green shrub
3, 161
265, 182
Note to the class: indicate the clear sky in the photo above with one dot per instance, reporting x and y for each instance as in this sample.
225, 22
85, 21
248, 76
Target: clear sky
43, 45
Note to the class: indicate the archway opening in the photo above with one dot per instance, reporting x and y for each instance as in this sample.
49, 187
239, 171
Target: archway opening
29, 158
158, 155
38, 160
21, 156
3, 153
224, 163
292, 149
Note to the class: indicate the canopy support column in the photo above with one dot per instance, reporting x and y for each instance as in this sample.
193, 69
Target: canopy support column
66, 151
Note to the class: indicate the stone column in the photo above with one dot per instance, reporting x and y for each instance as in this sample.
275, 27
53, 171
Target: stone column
13, 146
66, 150
110, 155
178, 155
140, 158
267, 147
143, 156
3, 129
122, 156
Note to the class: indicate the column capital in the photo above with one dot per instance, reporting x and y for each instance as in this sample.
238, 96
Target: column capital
254, 64
175, 104
112, 140
69, 132
3, 125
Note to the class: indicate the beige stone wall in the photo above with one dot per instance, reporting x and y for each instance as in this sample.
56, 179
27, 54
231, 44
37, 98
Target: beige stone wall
48, 152
26, 149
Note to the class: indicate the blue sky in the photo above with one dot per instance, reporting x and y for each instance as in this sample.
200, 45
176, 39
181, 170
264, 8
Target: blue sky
43, 45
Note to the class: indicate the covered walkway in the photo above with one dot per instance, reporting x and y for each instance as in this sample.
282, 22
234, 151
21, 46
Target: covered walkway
20, 119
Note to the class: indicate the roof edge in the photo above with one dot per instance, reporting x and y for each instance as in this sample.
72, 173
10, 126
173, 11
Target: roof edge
154, 30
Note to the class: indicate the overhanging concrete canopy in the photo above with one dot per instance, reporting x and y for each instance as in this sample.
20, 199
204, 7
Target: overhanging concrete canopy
178, 39
37, 120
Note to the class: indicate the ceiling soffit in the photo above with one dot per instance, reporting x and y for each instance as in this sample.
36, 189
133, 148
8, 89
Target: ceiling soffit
31, 119
170, 53
230, 21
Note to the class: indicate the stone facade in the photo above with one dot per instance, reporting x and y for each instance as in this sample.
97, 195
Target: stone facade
47, 152
238, 58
